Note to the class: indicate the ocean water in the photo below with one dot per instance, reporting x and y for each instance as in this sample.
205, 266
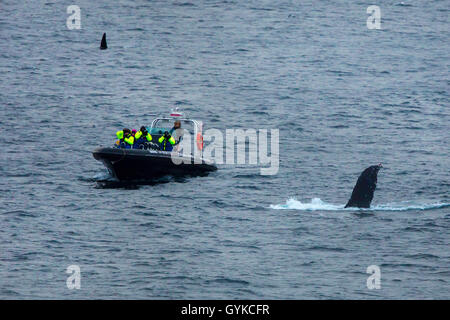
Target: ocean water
343, 97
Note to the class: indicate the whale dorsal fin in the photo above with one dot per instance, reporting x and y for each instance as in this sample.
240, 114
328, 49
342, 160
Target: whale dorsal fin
103, 45
364, 189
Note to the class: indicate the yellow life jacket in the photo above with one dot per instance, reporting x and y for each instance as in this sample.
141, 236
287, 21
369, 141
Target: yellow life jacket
139, 134
129, 139
162, 139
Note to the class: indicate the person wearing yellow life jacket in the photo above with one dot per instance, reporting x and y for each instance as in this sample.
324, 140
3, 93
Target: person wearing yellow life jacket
166, 142
126, 139
142, 136
119, 133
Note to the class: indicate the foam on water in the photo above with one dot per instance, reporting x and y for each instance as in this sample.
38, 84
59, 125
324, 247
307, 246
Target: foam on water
317, 204
103, 176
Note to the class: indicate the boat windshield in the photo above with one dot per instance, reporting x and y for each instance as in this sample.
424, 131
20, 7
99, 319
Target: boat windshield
161, 125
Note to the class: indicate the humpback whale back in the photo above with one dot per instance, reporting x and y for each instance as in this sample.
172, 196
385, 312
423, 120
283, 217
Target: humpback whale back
103, 45
364, 189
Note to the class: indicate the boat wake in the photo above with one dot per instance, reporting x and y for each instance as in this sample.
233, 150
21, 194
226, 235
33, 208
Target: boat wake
318, 205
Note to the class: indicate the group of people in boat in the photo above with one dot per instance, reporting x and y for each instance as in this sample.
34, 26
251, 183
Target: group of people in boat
142, 139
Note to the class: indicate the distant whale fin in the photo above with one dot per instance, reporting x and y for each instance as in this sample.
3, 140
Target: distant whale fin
103, 45
364, 189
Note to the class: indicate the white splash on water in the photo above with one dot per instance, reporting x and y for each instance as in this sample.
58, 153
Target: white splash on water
103, 176
317, 204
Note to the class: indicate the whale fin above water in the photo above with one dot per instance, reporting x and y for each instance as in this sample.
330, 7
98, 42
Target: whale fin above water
364, 189
103, 45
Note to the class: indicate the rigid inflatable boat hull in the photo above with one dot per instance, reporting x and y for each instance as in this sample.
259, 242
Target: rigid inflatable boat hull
138, 164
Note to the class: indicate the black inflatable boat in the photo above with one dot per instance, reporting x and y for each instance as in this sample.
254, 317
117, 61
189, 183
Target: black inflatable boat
147, 164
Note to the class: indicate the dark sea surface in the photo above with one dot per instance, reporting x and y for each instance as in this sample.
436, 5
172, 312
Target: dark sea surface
343, 97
